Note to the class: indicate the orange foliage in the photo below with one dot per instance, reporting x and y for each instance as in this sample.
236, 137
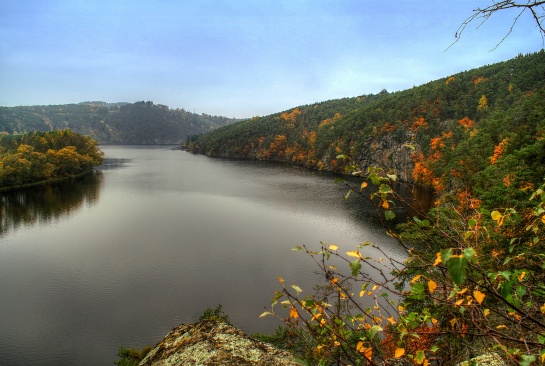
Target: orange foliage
421, 171
387, 128
291, 117
418, 124
427, 337
466, 122
498, 151
466, 200
477, 80
328, 121
449, 80
436, 143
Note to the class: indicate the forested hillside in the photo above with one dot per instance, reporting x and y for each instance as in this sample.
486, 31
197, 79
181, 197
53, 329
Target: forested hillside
465, 130
112, 123
472, 282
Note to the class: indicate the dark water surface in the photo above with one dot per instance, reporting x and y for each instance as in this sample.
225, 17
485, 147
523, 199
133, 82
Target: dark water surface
159, 235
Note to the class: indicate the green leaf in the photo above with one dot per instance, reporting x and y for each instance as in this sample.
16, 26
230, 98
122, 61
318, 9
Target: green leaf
457, 269
385, 189
389, 215
521, 291
372, 332
484, 211
470, 254
392, 177
297, 248
471, 223
420, 357
347, 195
417, 291
446, 254
355, 266
527, 360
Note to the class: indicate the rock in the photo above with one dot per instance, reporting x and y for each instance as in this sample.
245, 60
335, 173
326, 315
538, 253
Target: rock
215, 343
488, 359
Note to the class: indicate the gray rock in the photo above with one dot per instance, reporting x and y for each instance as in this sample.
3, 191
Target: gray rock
208, 343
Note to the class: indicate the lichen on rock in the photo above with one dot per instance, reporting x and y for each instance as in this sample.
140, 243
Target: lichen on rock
209, 342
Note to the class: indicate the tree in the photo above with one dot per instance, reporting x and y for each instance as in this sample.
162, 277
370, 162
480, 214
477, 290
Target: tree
534, 7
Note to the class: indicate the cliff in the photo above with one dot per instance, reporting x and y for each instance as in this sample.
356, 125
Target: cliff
214, 343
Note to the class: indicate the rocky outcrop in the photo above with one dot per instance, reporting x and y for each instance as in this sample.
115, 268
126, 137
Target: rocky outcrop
208, 343
390, 153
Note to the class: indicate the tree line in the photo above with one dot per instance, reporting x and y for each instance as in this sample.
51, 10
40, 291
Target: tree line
112, 123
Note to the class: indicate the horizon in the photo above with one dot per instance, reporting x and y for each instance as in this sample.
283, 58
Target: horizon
241, 60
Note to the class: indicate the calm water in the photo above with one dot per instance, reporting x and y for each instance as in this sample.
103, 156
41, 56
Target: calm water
159, 235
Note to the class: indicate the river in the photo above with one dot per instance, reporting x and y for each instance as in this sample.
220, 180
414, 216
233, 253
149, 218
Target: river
156, 236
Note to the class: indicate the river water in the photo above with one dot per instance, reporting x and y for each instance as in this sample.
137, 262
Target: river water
120, 257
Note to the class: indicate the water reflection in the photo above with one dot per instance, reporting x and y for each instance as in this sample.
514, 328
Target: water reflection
47, 203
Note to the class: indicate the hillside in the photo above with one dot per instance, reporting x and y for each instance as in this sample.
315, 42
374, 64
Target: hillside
464, 130
112, 123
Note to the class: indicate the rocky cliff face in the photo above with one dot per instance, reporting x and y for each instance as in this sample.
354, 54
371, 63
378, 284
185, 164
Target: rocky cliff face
208, 343
389, 153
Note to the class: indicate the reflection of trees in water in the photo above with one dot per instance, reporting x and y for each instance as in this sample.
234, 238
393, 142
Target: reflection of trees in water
47, 203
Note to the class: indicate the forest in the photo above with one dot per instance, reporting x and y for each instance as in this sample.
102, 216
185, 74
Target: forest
37, 157
465, 130
472, 283
112, 123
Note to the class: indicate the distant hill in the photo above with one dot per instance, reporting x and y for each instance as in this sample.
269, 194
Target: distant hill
465, 130
112, 123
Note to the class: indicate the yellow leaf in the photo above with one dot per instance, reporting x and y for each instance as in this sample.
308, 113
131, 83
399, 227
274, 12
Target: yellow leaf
363, 185
462, 291
496, 216
416, 278
543, 221
459, 302
359, 346
400, 308
432, 286
479, 296
438, 259
281, 280
385, 204
426, 363
333, 247
353, 253
293, 313
543, 357
334, 280
486, 312
336, 343
434, 321
399, 352
501, 327
521, 276
362, 293
374, 288
391, 320
542, 309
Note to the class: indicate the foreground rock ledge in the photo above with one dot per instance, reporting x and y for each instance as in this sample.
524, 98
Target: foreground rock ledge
214, 343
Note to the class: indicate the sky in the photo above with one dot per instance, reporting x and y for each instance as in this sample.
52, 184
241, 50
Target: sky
241, 58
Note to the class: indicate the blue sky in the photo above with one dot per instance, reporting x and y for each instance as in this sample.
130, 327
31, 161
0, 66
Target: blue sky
240, 58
